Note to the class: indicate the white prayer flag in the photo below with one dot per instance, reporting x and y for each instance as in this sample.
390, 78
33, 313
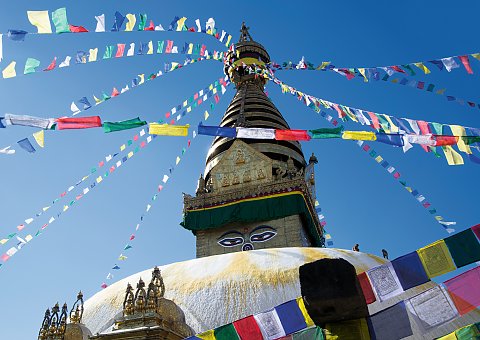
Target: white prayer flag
131, 50
165, 179
74, 108
420, 139
100, 23
29, 220
384, 281
255, 133
199, 27
159, 28
270, 324
450, 63
7, 151
66, 62
12, 251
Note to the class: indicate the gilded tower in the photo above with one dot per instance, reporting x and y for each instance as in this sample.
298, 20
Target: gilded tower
255, 193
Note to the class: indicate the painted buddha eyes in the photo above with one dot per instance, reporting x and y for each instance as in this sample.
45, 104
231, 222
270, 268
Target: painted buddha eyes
234, 238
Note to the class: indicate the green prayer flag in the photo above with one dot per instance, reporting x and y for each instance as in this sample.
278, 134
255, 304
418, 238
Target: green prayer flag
160, 46
226, 332
129, 142
59, 18
142, 22
438, 128
326, 133
309, 334
468, 332
11, 235
30, 65
108, 52
127, 247
385, 77
38, 233
410, 69
105, 96
123, 125
471, 139
464, 248
430, 87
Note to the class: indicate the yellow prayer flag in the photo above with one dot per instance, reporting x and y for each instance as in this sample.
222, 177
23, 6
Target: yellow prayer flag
92, 55
316, 203
476, 55
40, 138
3, 241
393, 127
306, 316
453, 157
122, 257
45, 208
28, 238
189, 109
150, 47
142, 78
185, 103
362, 72
177, 160
450, 336
174, 66
208, 335
99, 179
378, 159
210, 87
65, 207
359, 135
349, 113
206, 115
181, 23
97, 101
438, 218
422, 67
190, 49
122, 147
328, 237
41, 20
351, 329
396, 80
132, 19
436, 259
228, 40
214, 90
9, 71
130, 154
323, 65
460, 132
168, 130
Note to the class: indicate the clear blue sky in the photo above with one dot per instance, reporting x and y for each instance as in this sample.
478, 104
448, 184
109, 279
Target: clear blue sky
361, 202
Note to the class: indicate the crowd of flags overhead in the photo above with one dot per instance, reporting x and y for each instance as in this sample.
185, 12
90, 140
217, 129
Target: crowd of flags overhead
126, 23
137, 141
291, 319
32, 65
84, 103
419, 197
323, 223
166, 176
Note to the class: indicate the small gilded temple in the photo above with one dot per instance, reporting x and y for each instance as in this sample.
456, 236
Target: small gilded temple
259, 241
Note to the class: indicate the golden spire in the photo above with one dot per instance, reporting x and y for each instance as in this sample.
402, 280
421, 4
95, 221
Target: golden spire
76, 312
128, 302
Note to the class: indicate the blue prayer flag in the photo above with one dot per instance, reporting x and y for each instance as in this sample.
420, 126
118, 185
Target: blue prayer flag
410, 270
26, 145
79, 57
16, 35
119, 19
2, 126
474, 158
291, 317
404, 81
391, 323
171, 27
390, 138
217, 131
437, 63
116, 267
85, 102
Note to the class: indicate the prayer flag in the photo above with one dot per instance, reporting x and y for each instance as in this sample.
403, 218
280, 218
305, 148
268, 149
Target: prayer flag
119, 19
66, 62
108, 52
464, 248
410, 271
296, 135
150, 47
26, 145
385, 282
30, 65
181, 24
120, 50
466, 63
270, 325
247, 328
16, 35
92, 55
77, 29
351, 329
441, 140
291, 317
390, 138
85, 102
216, 131
366, 288
422, 67
326, 133
168, 130
436, 259
391, 323
52, 65
306, 316
131, 50
463, 290
40, 138
7, 151
450, 63
165, 179
359, 135
160, 46
256, 133
453, 157
131, 22
100, 23
78, 123
9, 71
123, 125
459, 131
226, 332
41, 20
59, 18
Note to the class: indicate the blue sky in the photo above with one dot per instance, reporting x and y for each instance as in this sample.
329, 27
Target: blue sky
361, 202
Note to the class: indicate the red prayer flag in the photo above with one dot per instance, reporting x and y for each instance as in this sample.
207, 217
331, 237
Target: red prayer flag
374, 118
476, 230
192, 29
169, 47
77, 29
52, 65
104, 285
291, 135
120, 50
202, 50
151, 27
5, 257
132, 237
78, 123
445, 140
366, 288
466, 63
425, 130
115, 92
167, 115
247, 328
463, 290
398, 69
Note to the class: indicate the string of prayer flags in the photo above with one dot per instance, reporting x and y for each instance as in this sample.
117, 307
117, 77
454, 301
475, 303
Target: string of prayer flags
78, 123
123, 125
168, 130
463, 290
436, 259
